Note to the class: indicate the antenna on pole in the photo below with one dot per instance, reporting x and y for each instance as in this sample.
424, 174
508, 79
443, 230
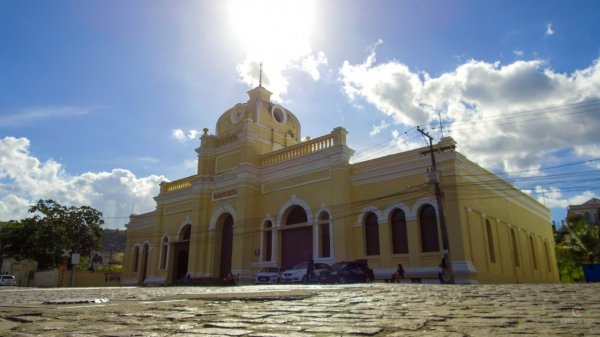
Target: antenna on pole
441, 126
260, 75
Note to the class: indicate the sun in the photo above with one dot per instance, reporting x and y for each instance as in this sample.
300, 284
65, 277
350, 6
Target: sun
272, 30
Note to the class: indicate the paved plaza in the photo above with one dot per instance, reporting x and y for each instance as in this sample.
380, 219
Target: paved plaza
377, 309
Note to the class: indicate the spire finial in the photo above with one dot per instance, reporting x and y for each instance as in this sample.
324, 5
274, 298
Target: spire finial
260, 75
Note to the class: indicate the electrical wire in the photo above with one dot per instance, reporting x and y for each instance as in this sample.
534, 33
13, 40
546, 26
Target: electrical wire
580, 180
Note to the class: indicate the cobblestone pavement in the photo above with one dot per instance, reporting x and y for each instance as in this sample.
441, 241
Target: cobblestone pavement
377, 309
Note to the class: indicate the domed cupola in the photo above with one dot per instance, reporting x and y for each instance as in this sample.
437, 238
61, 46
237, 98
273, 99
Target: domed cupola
269, 120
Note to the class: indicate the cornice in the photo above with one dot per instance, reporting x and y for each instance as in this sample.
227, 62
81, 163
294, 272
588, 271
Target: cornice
499, 186
139, 221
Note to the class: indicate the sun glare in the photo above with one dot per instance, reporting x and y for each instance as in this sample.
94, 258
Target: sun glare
274, 30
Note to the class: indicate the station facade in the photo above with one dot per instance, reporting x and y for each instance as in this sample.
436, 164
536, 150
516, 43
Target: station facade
262, 196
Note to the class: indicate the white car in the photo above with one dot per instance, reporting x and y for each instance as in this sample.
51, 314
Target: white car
7, 280
298, 273
268, 275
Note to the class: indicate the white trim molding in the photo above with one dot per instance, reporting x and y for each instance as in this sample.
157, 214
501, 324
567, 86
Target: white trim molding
222, 209
294, 201
361, 215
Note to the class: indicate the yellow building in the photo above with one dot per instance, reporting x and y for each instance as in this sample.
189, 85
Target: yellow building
263, 197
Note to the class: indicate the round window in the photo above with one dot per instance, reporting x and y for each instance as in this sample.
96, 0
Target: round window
278, 114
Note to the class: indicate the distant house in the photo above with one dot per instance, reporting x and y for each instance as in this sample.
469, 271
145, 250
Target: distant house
589, 210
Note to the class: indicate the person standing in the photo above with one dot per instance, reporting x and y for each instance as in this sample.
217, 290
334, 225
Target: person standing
443, 275
310, 270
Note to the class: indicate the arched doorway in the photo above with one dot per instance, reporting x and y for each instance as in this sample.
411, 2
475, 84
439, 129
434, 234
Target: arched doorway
181, 248
144, 267
182, 264
296, 237
226, 249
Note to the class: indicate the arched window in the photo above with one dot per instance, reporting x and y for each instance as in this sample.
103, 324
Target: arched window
136, 258
296, 215
163, 253
267, 241
372, 234
515, 247
324, 243
429, 229
185, 233
490, 239
533, 253
399, 234
547, 251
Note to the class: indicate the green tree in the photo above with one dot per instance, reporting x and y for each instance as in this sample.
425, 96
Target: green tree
576, 243
51, 231
114, 240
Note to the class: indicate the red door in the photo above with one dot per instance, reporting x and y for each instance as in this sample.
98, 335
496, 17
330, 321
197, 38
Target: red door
296, 246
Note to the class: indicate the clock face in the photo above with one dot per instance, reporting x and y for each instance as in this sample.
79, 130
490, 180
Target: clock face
237, 114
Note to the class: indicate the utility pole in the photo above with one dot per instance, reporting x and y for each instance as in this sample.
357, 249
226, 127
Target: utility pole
434, 176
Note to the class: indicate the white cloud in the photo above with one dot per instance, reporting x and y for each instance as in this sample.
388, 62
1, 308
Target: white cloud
276, 69
391, 87
310, 64
193, 134
13, 207
184, 136
148, 160
400, 142
592, 150
549, 30
553, 197
178, 134
31, 115
518, 53
376, 129
509, 117
25, 179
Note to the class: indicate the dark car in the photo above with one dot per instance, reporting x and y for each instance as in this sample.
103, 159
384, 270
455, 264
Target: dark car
365, 265
350, 272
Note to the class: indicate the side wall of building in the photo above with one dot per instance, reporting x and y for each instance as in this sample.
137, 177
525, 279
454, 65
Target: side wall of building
508, 234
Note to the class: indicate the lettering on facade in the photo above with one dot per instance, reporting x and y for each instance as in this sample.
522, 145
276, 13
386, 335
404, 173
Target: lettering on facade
224, 194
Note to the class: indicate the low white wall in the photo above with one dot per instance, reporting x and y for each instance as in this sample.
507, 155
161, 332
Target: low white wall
47, 278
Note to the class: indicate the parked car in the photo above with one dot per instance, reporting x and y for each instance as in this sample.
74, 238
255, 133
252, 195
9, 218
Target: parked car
268, 275
365, 265
350, 272
7, 280
298, 272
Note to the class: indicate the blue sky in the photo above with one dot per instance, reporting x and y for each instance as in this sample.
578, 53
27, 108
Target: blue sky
102, 100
